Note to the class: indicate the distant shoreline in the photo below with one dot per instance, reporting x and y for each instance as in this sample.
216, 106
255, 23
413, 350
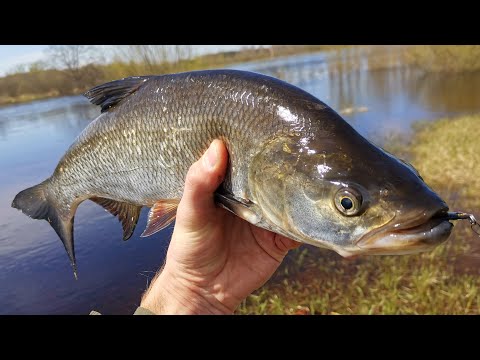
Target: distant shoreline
44, 83
207, 61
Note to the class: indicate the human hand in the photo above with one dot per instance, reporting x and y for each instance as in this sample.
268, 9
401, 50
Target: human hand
215, 259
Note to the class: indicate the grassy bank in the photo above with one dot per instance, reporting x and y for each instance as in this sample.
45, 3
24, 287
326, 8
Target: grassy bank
444, 281
444, 58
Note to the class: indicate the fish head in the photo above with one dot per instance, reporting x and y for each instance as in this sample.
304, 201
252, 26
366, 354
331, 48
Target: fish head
346, 194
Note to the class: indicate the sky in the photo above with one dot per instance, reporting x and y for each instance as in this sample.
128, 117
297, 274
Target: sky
12, 56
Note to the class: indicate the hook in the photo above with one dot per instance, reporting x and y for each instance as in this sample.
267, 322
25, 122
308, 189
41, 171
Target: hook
474, 224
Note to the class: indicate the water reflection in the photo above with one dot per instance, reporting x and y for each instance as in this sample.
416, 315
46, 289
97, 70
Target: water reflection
35, 275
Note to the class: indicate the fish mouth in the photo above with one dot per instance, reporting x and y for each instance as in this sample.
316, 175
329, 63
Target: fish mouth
422, 233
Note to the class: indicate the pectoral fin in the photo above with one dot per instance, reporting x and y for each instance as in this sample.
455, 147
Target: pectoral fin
127, 214
162, 213
240, 207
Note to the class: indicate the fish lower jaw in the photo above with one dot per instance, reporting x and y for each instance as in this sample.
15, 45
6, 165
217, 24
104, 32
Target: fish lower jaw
413, 240
421, 238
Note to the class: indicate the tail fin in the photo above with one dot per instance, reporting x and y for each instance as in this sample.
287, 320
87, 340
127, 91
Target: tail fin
36, 203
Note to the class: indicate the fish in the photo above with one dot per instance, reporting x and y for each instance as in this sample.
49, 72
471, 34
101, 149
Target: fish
296, 167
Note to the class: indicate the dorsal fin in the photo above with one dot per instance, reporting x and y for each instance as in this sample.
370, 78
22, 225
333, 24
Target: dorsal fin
111, 93
127, 214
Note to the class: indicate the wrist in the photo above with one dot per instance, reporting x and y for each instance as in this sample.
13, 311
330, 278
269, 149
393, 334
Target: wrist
172, 295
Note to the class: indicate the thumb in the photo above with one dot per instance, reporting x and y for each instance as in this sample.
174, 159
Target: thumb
203, 178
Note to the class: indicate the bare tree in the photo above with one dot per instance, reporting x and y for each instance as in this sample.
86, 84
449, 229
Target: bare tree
150, 59
18, 68
183, 52
72, 59
37, 66
147, 57
272, 51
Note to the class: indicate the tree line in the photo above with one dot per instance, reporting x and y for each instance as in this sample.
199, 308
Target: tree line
73, 69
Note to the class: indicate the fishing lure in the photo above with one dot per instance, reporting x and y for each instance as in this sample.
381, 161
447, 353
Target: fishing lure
456, 215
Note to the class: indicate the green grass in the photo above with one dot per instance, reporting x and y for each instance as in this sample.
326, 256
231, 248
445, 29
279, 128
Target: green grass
443, 281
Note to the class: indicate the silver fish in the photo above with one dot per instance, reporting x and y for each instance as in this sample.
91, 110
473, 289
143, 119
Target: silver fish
295, 166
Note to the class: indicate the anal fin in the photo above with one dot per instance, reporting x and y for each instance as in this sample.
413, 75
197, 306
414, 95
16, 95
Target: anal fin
162, 213
127, 214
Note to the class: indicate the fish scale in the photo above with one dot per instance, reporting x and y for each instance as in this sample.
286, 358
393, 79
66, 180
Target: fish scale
192, 131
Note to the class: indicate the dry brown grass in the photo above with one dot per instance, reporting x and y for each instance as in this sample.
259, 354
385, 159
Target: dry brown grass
444, 58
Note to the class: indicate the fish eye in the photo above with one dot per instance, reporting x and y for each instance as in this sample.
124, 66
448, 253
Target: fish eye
348, 201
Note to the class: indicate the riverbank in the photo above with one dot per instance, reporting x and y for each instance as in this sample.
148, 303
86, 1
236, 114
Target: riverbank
25, 98
43, 84
47, 83
444, 281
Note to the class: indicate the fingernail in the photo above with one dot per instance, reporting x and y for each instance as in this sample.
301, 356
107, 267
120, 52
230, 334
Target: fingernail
210, 158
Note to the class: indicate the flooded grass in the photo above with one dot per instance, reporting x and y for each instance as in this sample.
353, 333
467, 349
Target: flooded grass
444, 281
